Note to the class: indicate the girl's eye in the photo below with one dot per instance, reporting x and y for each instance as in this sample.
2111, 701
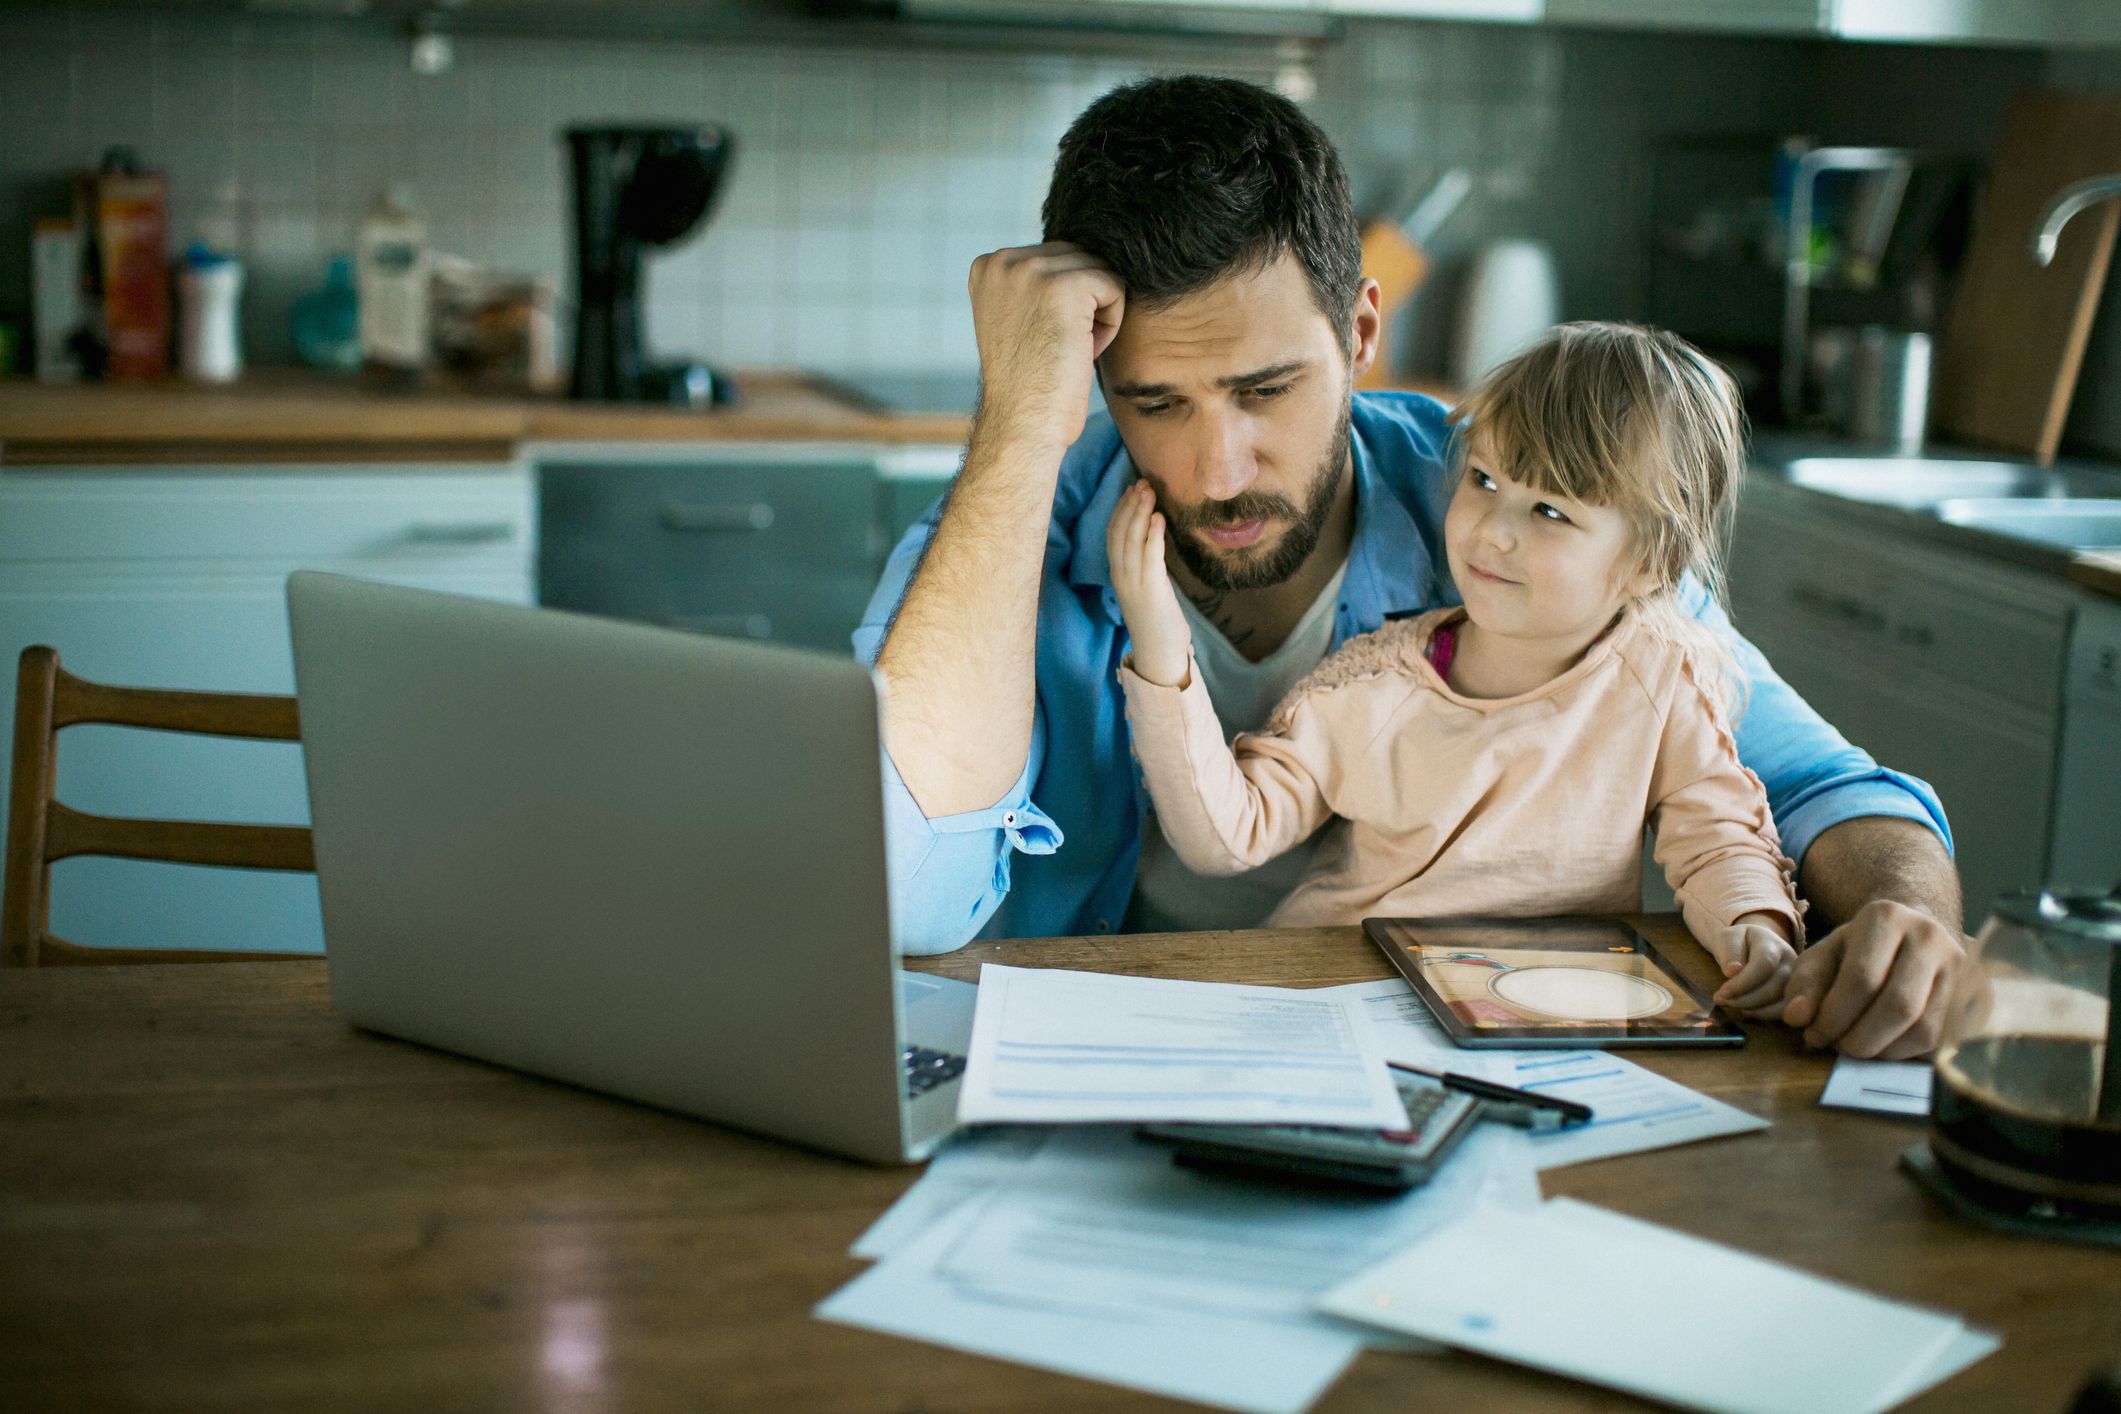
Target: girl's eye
1481, 479
1543, 509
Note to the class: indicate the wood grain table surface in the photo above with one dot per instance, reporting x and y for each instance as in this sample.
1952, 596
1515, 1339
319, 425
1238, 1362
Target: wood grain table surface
215, 1195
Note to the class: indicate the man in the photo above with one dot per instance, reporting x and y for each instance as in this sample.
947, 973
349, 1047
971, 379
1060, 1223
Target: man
1202, 261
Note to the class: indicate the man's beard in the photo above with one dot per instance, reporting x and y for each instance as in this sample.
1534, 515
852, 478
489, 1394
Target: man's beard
1244, 570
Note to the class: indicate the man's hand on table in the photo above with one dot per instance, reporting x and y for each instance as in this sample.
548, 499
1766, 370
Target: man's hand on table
1876, 987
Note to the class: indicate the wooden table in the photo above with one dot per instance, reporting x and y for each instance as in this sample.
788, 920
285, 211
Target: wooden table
215, 1195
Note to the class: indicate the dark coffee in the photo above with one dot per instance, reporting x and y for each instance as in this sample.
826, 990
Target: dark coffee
2019, 1114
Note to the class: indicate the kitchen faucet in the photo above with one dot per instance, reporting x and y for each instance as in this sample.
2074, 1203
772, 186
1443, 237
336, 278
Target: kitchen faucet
2067, 203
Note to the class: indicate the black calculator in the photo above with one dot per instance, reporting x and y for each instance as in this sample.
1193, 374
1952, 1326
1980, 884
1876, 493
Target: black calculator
1438, 1117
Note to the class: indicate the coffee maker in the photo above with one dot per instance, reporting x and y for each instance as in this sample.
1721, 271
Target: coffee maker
2025, 1110
636, 187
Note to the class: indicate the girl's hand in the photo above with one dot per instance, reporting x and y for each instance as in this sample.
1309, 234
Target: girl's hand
1756, 960
1163, 643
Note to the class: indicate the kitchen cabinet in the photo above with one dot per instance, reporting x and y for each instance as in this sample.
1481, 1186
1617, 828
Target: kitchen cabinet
909, 481
2087, 836
776, 542
1493, 11
1793, 17
175, 578
1942, 664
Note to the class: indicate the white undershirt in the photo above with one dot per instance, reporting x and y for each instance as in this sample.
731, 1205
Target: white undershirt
1169, 897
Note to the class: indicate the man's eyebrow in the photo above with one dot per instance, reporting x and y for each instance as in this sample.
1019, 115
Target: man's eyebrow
1250, 379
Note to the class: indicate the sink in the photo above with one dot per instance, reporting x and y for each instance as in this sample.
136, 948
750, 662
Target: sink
1920, 483
2073, 524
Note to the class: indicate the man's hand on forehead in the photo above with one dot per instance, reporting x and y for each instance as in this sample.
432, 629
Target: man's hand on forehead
1043, 315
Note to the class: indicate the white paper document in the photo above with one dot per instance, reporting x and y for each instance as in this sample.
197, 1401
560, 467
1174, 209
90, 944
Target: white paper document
1888, 1087
1086, 1250
1101, 1220
973, 1161
1211, 1358
1705, 1326
1633, 1108
1053, 1046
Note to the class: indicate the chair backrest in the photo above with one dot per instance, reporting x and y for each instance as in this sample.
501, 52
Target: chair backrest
41, 830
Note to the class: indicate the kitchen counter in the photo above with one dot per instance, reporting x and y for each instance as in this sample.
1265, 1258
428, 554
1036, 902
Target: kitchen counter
2098, 571
283, 416
288, 416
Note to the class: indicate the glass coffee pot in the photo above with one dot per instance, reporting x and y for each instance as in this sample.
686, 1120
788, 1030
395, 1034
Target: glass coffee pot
2025, 1113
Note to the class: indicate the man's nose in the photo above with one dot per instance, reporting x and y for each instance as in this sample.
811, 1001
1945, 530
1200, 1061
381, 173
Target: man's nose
1224, 458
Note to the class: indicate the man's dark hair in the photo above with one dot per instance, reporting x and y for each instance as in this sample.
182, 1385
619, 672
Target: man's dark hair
1179, 182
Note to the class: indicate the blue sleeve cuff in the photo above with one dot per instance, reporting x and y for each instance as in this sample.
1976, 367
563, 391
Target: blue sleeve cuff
949, 874
1878, 791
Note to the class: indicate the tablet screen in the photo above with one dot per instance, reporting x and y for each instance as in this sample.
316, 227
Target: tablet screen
1548, 981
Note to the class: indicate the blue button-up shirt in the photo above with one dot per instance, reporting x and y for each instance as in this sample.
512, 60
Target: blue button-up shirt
1057, 854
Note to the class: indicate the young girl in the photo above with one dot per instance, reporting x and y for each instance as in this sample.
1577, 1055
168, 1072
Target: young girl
1502, 758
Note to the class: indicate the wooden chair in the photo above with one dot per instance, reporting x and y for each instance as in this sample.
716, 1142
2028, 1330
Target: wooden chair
41, 830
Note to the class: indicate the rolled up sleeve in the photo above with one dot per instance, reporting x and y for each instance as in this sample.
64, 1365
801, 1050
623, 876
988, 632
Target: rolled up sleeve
950, 873
947, 874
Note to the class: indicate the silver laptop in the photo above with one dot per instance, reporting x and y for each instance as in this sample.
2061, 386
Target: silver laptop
638, 860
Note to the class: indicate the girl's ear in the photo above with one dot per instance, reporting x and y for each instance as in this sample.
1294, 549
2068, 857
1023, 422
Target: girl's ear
1643, 582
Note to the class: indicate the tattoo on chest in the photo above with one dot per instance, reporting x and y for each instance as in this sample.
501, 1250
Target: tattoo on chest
1215, 610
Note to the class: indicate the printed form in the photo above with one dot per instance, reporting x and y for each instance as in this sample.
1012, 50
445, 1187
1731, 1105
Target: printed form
1633, 1109
1060, 1047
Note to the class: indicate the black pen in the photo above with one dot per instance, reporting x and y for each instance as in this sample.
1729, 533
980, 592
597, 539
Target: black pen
1513, 1106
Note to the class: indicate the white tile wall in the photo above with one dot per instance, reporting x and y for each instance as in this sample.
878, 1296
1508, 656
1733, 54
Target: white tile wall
865, 182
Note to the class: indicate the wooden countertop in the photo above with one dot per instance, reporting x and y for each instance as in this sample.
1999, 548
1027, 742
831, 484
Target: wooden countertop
2099, 571
288, 415
284, 415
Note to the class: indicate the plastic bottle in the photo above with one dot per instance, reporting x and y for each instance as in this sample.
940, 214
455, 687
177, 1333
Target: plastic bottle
210, 290
391, 275
326, 323
55, 298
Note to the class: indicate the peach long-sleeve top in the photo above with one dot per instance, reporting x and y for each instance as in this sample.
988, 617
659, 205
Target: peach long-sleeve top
1516, 806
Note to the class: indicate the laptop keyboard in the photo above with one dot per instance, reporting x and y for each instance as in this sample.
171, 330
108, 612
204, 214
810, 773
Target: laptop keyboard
926, 1069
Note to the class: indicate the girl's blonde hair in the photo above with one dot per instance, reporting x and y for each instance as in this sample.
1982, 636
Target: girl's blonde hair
1636, 419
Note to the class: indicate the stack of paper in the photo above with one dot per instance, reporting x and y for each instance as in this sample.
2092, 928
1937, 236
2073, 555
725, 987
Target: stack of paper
1088, 1047
1703, 1326
1088, 1252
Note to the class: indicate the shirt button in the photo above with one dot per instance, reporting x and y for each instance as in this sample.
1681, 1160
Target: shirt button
1009, 818
1104, 925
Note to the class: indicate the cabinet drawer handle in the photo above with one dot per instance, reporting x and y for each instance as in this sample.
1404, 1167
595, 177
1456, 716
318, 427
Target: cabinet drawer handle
724, 625
756, 516
1853, 612
488, 532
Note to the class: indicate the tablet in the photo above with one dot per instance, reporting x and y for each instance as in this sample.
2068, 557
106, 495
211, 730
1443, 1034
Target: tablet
1561, 982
